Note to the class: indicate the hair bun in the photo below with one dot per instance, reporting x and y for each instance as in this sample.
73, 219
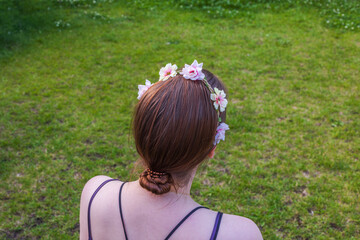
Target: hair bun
156, 182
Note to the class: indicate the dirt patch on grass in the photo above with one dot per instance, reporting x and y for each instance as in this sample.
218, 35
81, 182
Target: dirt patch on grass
75, 229
12, 234
336, 226
95, 156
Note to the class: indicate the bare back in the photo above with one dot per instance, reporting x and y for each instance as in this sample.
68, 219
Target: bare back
149, 216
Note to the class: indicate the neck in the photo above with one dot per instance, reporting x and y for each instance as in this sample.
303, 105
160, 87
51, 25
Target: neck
182, 191
185, 190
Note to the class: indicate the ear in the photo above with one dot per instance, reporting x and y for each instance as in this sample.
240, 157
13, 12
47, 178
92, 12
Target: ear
212, 153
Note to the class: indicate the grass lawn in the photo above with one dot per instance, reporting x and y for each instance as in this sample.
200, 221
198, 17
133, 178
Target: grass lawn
290, 161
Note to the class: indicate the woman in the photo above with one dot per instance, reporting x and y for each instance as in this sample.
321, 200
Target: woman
177, 124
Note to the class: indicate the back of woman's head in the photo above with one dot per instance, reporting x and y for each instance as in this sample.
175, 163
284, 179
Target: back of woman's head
175, 125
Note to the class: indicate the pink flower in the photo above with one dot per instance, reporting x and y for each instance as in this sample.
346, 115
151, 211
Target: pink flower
167, 71
193, 71
220, 132
219, 99
143, 88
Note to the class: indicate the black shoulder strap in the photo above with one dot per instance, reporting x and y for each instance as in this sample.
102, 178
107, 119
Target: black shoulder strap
182, 221
121, 214
90, 202
216, 226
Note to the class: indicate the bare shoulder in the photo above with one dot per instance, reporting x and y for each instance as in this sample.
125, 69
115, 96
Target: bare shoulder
237, 227
88, 190
93, 183
91, 186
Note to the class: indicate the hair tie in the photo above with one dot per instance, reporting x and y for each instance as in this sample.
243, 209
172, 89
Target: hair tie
154, 174
156, 182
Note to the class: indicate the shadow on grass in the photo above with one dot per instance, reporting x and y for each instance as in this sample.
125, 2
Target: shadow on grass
19, 20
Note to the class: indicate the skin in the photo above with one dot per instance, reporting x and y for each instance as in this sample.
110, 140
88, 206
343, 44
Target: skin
150, 216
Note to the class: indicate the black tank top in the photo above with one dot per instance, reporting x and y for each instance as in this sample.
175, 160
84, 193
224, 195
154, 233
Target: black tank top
213, 234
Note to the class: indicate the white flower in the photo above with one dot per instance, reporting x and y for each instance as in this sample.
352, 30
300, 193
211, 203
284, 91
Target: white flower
220, 132
143, 88
219, 99
167, 71
193, 71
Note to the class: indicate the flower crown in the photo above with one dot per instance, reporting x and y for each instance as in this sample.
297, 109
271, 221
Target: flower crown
194, 72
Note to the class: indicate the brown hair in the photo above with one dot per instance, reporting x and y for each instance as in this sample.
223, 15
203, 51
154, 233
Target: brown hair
174, 128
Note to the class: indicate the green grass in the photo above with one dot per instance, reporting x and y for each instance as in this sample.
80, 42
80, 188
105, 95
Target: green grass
290, 161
